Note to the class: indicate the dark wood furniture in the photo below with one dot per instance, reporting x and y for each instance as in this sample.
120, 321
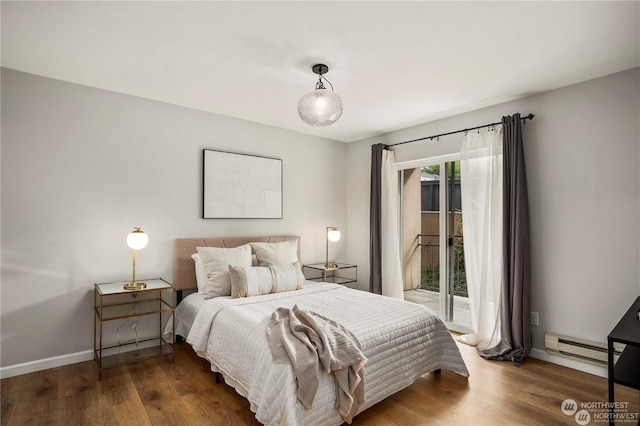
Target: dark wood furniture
626, 371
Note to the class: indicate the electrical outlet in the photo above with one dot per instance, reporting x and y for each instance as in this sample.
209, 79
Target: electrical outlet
535, 318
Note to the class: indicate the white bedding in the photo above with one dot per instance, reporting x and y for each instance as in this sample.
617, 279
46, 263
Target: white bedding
186, 313
401, 341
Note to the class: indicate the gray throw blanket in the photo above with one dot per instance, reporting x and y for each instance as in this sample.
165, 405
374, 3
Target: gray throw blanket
308, 341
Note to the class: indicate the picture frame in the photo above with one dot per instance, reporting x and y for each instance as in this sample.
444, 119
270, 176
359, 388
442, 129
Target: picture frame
241, 186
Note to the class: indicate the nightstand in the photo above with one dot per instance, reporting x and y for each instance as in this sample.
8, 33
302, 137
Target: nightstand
128, 324
338, 273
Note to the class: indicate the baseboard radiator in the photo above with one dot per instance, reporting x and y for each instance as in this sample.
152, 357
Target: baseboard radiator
579, 349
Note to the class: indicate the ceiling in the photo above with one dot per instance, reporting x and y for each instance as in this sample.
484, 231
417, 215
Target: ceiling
395, 64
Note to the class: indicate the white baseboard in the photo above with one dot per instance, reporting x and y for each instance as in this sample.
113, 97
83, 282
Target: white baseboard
45, 364
571, 363
59, 361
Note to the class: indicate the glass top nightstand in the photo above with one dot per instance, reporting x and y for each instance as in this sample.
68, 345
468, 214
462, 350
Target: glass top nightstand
129, 324
106, 289
338, 273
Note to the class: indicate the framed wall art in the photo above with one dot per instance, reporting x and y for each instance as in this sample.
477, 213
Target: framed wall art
241, 186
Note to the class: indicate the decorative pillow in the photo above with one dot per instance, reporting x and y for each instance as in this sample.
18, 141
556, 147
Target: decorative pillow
270, 254
216, 263
287, 277
250, 281
258, 280
201, 273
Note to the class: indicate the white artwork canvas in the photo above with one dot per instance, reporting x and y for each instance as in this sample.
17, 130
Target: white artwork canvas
240, 186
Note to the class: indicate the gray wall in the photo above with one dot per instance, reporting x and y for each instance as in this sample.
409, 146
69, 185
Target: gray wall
82, 166
582, 152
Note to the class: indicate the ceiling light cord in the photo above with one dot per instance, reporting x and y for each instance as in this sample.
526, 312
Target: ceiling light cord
319, 84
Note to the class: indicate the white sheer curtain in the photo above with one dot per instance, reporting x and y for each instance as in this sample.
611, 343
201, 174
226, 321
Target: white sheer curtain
481, 192
391, 267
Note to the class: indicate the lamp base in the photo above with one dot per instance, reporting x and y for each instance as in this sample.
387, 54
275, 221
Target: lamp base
135, 286
331, 265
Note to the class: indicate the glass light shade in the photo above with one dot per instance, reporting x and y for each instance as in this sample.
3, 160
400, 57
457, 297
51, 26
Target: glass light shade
320, 107
137, 239
333, 235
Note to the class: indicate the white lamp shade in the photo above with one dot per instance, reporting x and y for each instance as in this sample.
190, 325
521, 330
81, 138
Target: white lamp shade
333, 235
320, 107
137, 239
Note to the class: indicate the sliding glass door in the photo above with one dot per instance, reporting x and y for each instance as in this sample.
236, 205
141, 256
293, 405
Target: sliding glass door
439, 244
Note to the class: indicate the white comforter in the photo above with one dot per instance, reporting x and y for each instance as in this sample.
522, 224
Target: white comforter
401, 341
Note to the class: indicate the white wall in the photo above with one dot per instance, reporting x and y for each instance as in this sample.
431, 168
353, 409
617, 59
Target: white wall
82, 166
582, 154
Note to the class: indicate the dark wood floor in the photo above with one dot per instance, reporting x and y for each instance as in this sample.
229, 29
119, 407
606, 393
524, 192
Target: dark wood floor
161, 392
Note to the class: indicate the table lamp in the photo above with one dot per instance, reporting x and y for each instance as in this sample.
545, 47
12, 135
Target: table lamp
137, 240
333, 235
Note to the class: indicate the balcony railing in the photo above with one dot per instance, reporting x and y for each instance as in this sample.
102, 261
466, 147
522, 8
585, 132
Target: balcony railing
430, 264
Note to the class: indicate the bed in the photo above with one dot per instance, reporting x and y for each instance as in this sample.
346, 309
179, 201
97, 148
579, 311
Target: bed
400, 340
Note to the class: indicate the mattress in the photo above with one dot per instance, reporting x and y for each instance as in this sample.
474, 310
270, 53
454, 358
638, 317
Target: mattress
402, 341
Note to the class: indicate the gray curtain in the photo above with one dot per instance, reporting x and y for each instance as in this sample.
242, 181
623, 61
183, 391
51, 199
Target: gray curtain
375, 246
515, 341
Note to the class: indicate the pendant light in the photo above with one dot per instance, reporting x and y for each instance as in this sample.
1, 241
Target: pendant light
320, 107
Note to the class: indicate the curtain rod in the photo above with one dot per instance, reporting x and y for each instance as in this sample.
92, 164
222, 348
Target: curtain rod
524, 120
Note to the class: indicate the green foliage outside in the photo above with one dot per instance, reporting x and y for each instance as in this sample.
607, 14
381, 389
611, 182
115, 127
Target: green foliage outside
430, 277
431, 281
435, 170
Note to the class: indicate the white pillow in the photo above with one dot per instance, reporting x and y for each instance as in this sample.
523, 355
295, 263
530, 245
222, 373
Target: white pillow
287, 277
201, 273
251, 281
216, 261
270, 254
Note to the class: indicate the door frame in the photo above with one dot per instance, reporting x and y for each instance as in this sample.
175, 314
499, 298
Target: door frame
444, 251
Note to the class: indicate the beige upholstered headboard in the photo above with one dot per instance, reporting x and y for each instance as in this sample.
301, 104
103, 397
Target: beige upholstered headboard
184, 276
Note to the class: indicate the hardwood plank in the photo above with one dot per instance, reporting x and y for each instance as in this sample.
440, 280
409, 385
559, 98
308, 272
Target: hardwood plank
77, 379
185, 374
130, 413
117, 386
29, 397
161, 392
44, 413
208, 407
159, 398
